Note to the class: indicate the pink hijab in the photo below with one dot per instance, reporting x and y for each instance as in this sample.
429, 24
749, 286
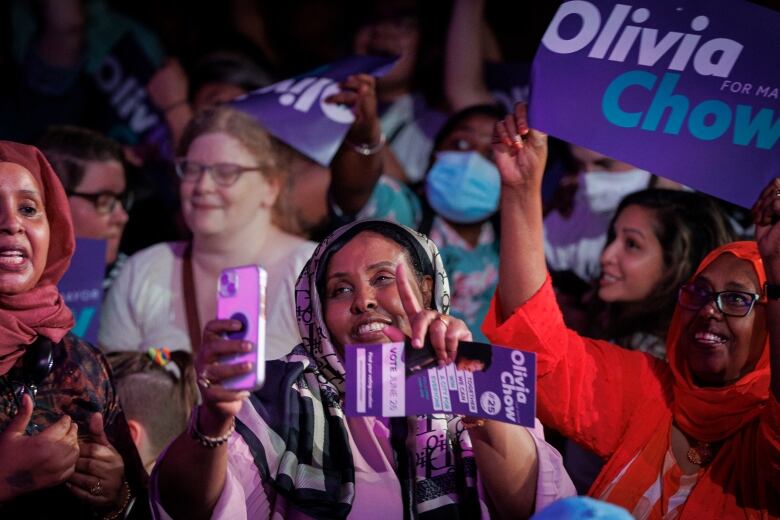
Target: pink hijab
41, 310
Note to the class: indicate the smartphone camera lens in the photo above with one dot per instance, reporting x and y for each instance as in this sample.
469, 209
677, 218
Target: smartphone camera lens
228, 284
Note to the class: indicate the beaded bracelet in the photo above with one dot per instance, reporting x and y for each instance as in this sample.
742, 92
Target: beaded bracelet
205, 440
365, 148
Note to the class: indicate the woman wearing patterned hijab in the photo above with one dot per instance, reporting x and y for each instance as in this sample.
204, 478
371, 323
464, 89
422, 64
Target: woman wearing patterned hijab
294, 453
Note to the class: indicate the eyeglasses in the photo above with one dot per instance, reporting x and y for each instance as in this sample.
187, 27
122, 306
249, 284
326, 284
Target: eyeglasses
730, 303
105, 202
224, 174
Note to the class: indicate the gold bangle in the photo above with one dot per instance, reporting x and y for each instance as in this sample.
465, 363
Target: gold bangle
119, 512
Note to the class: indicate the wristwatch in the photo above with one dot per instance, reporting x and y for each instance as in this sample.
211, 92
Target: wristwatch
772, 291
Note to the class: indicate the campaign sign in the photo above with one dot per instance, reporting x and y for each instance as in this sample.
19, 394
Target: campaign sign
688, 89
82, 286
295, 111
122, 77
395, 380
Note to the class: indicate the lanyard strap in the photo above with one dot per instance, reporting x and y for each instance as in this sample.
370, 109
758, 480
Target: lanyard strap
190, 301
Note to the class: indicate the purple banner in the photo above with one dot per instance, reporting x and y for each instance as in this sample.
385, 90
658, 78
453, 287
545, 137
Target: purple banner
295, 111
488, 381
688, 90
82, 286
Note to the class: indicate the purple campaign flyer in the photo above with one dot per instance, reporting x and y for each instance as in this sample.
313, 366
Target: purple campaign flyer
487, 381
295, 111
689, 90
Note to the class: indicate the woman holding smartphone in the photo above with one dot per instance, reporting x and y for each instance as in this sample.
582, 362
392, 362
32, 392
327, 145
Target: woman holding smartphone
287, 450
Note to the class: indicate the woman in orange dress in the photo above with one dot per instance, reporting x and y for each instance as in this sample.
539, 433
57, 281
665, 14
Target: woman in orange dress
695, 437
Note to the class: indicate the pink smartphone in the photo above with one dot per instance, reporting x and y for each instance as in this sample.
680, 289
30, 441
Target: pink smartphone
241, 297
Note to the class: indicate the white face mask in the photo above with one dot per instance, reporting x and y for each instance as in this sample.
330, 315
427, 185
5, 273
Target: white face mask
603, 191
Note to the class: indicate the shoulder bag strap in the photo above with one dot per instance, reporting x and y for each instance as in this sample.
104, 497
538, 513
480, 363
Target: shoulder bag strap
190, 301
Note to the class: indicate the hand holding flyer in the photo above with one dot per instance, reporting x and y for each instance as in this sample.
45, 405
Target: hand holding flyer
487, 381
438, 370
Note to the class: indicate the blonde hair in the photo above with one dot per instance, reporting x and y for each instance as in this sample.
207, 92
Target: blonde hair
271, 155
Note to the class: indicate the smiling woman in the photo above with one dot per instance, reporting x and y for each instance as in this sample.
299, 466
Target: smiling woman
695, 437
654, 243
233, 193
719, 328
362, 300
288, 450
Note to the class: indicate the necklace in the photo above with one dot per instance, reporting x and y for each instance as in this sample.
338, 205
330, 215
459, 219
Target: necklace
700, 453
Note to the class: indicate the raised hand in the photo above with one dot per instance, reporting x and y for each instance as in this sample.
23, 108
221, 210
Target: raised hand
766, 215
359, 93
220, 405
520, 152
99, 476
443, 331
36, 462
169, 86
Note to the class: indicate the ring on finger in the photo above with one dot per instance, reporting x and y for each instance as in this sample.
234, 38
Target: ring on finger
203, 380
443, 320
97, 489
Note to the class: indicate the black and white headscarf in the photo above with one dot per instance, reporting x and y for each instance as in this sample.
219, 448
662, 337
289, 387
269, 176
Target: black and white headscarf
306, 460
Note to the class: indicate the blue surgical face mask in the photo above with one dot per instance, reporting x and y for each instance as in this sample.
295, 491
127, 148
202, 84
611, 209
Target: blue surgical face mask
463, 187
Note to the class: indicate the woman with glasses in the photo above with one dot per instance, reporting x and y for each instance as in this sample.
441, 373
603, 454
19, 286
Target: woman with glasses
695, 437
65, 446
232, 192
655, 241
91, 168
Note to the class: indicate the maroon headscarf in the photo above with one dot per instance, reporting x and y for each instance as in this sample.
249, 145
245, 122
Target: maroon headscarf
41, 310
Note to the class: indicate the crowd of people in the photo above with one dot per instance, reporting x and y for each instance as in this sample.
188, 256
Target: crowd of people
443, 217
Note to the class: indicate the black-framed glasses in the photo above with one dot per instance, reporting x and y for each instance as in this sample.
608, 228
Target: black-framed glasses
105, 201
224, 174
730, 303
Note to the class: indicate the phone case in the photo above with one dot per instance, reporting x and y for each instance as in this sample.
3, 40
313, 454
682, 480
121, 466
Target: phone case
241, 296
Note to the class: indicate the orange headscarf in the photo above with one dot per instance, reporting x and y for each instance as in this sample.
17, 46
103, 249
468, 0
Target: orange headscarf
706, 414
41, 310
712, 414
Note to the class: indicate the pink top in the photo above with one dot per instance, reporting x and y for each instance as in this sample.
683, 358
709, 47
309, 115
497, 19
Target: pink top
377, 490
